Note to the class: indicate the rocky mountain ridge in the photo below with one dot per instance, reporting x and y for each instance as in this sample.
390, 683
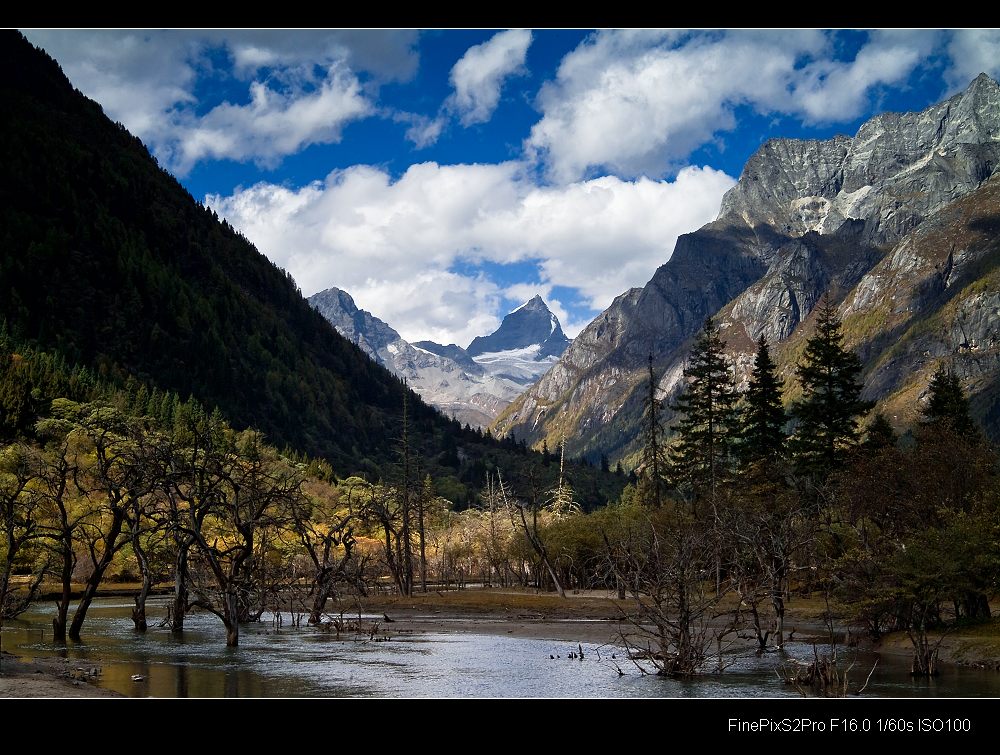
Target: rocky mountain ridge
472, 385
806, 218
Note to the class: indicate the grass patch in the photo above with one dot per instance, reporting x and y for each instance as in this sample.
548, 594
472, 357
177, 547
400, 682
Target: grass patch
587, 604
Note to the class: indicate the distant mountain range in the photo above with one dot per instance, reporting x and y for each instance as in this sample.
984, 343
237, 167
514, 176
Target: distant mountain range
474, 384
899, 225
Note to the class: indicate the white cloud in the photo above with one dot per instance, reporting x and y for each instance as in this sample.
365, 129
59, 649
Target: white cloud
637, 102
389, 54
303, 86
479, 75
972, 52
273, 124
136, 76
828, 91
393, 244
423, 131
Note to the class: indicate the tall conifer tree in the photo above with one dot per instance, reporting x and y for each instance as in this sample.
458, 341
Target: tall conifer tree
654, 462
702, 458
831, 404
762, 433
948, 404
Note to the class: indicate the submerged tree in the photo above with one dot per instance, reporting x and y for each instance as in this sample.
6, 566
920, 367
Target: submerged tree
256, 495
192, 490
323, 520
664, 563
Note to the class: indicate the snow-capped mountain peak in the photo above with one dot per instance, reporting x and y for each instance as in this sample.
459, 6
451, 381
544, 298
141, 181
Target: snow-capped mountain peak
531, 324
474, 388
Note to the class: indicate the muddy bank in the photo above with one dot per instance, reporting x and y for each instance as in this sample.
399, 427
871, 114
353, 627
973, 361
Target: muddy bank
48, 677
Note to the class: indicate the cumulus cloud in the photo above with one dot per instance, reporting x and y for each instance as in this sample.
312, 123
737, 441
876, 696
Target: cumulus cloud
827, 91
972, 52
137, 76
639, 102
389, 54
395, 244
302, 86
273, 124
423, 131
479, 74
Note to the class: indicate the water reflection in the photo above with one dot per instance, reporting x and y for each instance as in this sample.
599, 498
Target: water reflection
310, 663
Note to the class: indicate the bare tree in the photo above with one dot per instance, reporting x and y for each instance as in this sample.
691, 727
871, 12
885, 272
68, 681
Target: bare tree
761, 541
424, 500
668, 569
406, 493
559, 503
384, 507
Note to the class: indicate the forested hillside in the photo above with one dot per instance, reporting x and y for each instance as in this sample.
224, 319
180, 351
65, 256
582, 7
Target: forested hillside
110, 264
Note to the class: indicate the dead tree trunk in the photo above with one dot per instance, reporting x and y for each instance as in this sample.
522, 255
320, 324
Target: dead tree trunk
779, 572
539, 548
423, 544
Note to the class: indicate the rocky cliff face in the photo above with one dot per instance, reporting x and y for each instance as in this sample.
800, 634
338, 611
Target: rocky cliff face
899, 169
934, 297
472, 388
362, 328
806, 218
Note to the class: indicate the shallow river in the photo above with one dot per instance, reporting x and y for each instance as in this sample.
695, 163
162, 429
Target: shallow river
309, 663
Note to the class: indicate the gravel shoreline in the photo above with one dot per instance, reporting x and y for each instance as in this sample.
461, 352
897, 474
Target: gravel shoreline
23, 677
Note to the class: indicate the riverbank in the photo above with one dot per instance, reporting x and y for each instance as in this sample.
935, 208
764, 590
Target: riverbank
592, 616
597, 617
48, 677
591, 619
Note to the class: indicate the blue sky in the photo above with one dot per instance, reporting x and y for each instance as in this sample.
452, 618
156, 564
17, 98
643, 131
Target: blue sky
443, 177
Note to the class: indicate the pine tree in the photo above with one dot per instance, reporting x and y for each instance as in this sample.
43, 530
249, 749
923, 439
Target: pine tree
762, 431
702, 458
831, 405
561, 498
653, 465
406, 495
880, 434
948, 404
